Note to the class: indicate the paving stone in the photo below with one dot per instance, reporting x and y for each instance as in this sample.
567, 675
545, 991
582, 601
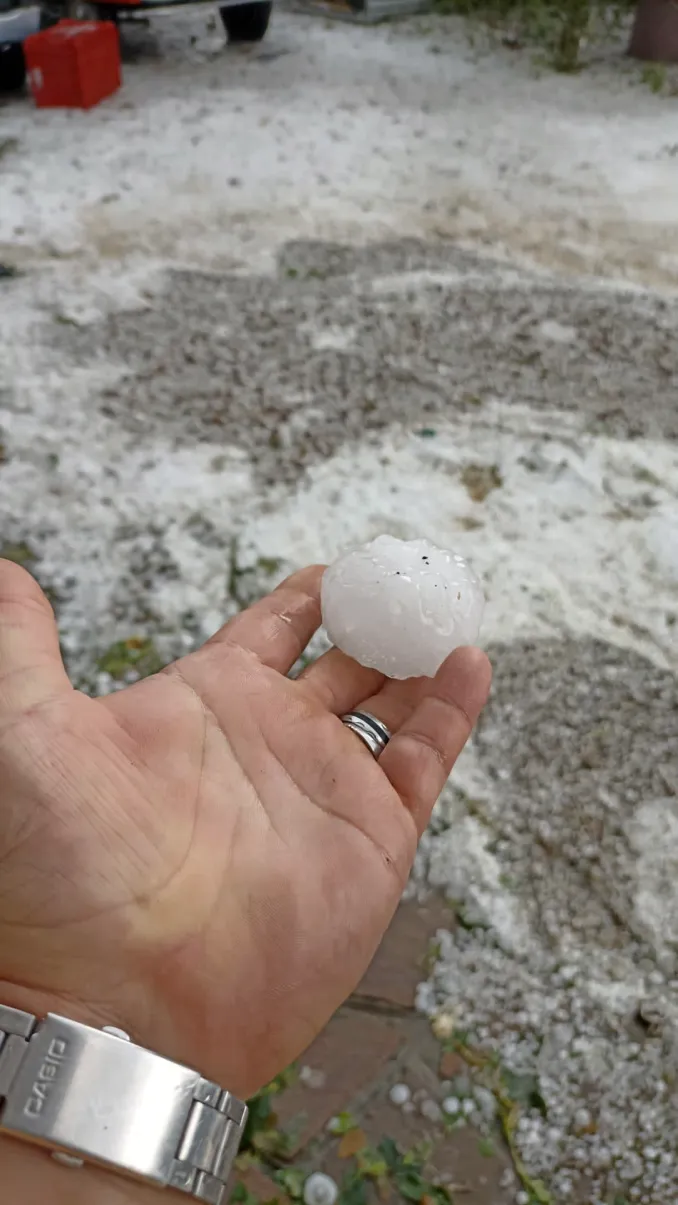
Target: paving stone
255, 1180
378, 1041
459, 1158
352, 1056
479, 1172
400, 963
451, 1064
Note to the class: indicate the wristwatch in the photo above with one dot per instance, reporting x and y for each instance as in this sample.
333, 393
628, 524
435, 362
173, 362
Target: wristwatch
93, 1095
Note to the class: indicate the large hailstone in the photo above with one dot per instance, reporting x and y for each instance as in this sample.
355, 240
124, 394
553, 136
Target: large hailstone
401, 606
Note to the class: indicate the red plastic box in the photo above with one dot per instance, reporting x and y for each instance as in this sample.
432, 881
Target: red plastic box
73, 64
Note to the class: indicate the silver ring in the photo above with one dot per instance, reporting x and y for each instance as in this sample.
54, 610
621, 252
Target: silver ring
371, 731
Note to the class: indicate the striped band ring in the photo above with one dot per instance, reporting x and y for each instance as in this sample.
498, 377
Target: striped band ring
371, 731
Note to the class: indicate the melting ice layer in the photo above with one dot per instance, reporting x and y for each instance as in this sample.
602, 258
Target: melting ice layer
401, 606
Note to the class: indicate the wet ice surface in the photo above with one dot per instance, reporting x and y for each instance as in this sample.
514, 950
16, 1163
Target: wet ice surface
401, 606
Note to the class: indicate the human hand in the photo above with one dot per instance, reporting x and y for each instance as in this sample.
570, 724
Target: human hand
209, 858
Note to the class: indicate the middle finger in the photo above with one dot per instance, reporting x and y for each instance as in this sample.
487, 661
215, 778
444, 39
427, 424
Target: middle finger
338, 682
341, 684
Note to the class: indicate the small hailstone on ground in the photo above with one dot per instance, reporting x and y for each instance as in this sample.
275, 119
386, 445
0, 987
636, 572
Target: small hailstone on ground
486, 1102
462, 1085
320, 1189
311, 1078
430, 1109
443, 1025
399, 1094
451, 1105
401, 606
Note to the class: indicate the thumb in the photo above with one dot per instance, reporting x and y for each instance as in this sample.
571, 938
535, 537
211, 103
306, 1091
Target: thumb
31, 668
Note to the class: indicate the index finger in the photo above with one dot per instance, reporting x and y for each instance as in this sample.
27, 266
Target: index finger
31, 669
278, 627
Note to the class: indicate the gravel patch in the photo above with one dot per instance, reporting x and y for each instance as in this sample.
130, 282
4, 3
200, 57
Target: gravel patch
342, 343
560, 849
165, 463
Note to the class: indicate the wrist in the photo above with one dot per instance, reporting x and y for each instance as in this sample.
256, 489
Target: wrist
121, 1014
29, 1174
148, 1025
65, 1085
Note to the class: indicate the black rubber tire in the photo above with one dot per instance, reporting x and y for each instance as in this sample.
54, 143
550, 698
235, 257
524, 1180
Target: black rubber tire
12, 68
78, 10
247, 22
86, 10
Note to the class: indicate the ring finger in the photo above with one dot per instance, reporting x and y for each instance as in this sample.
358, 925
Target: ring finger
395, 702
430, 721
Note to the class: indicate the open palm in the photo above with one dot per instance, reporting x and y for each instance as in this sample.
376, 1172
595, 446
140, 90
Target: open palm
209, 858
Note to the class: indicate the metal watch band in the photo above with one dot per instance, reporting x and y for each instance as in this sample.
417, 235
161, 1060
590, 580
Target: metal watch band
93, 1095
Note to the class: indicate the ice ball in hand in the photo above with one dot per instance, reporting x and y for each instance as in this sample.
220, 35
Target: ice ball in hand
401, 606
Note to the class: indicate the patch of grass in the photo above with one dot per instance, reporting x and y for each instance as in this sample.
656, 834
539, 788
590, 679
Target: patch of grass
291, 1180
513, 1093
7, 146
389, 1168
509, 1116
242, 1196
480, 479
654, 76
523, 1090
395, 1173
353, 1190
507, 881
465, 918
20, 553
431, 957
269, 564
560, 27
262, 1135
245, 584
137, 653
408, 1173
65, 319
343, 1123
646, 476
306, 274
